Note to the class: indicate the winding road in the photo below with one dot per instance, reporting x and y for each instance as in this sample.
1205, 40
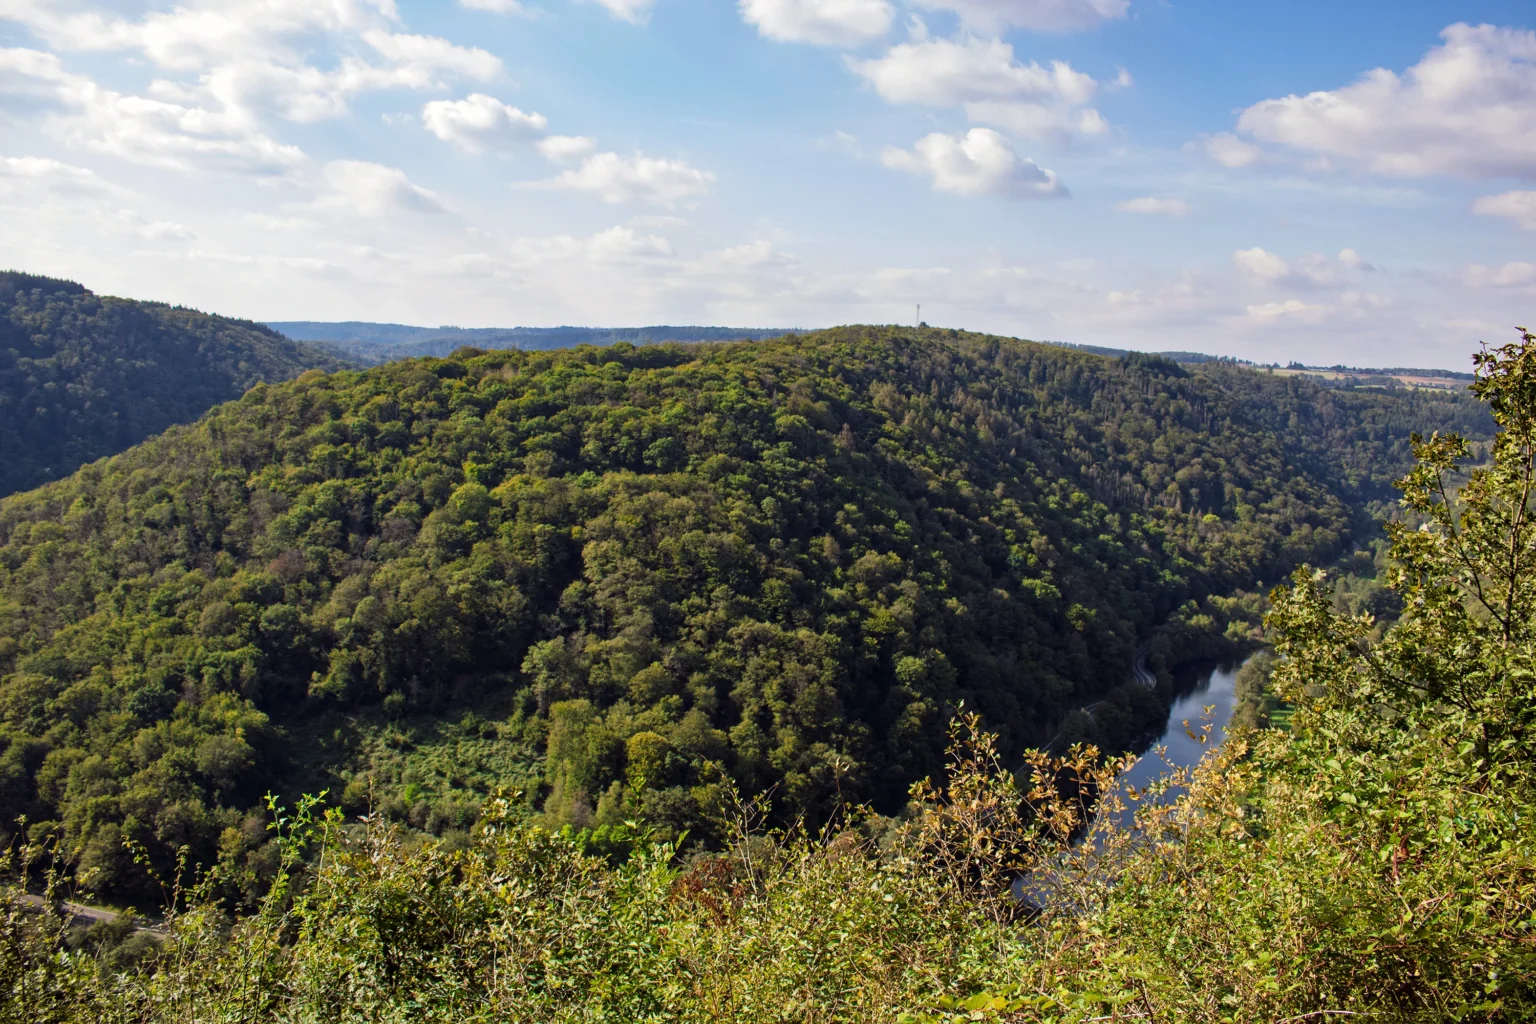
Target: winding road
1139, 668
1139, 673
78, 915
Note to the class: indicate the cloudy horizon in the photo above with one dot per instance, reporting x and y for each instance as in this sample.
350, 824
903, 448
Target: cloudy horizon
1331, 185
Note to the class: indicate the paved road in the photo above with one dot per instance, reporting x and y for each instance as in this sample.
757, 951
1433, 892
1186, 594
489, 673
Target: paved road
1139, 672
82, 916
1143, 675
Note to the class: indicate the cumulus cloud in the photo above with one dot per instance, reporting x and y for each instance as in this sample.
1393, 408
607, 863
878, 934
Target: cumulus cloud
249, 59
826, 22
561, 148
979, 163
1468, 108
982, 77
1261, 263
1228, 150
1519, 207
195, 35
374, 190
233, 67
1155, 205
1037, 15
620, 179
1311, 272
479, 121
1351, 260
425, 56
137, 128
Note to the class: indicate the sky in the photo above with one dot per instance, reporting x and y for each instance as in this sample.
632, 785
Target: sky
1344, 182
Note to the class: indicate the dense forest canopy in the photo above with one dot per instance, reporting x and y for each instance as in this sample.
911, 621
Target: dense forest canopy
606, 576
83, 375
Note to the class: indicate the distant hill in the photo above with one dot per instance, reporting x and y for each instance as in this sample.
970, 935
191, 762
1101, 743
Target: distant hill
380, 343
1327, 376
1176, 356
84, 375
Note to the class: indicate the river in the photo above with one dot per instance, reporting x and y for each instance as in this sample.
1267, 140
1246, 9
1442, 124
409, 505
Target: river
1196, 688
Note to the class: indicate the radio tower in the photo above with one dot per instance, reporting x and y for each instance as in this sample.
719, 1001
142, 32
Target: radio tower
919, 321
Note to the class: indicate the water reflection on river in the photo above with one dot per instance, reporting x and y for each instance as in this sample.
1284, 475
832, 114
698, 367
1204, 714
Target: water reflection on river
1197, 688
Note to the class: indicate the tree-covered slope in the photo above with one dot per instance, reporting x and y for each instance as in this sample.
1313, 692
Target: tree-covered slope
609, 575
83, 376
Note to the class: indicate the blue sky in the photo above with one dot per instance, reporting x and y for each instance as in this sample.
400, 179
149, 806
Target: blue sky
1342, 182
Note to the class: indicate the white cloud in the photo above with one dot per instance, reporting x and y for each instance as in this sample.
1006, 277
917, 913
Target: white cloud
479, 121
199, 34
234, 65
39, 168
495, 6
1311, 271
1261, 263
760, 253
1351, 260
621, 243
424, 56
1519, 274
636, 12
1468, 108
33, 178
32, 81
137, 128
619, 179
374, 190
1519, 207
979, 163
249, 58
981, 76
1038, 15
1272, 311
1155, 205
562, 148
616, 245
827, 22
1228, 150
842, 142
139, 226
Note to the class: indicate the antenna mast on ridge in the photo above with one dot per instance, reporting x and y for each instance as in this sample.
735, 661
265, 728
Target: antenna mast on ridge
919, 321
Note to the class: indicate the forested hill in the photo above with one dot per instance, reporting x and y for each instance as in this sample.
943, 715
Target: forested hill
82, 375
372, 343
593, 574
